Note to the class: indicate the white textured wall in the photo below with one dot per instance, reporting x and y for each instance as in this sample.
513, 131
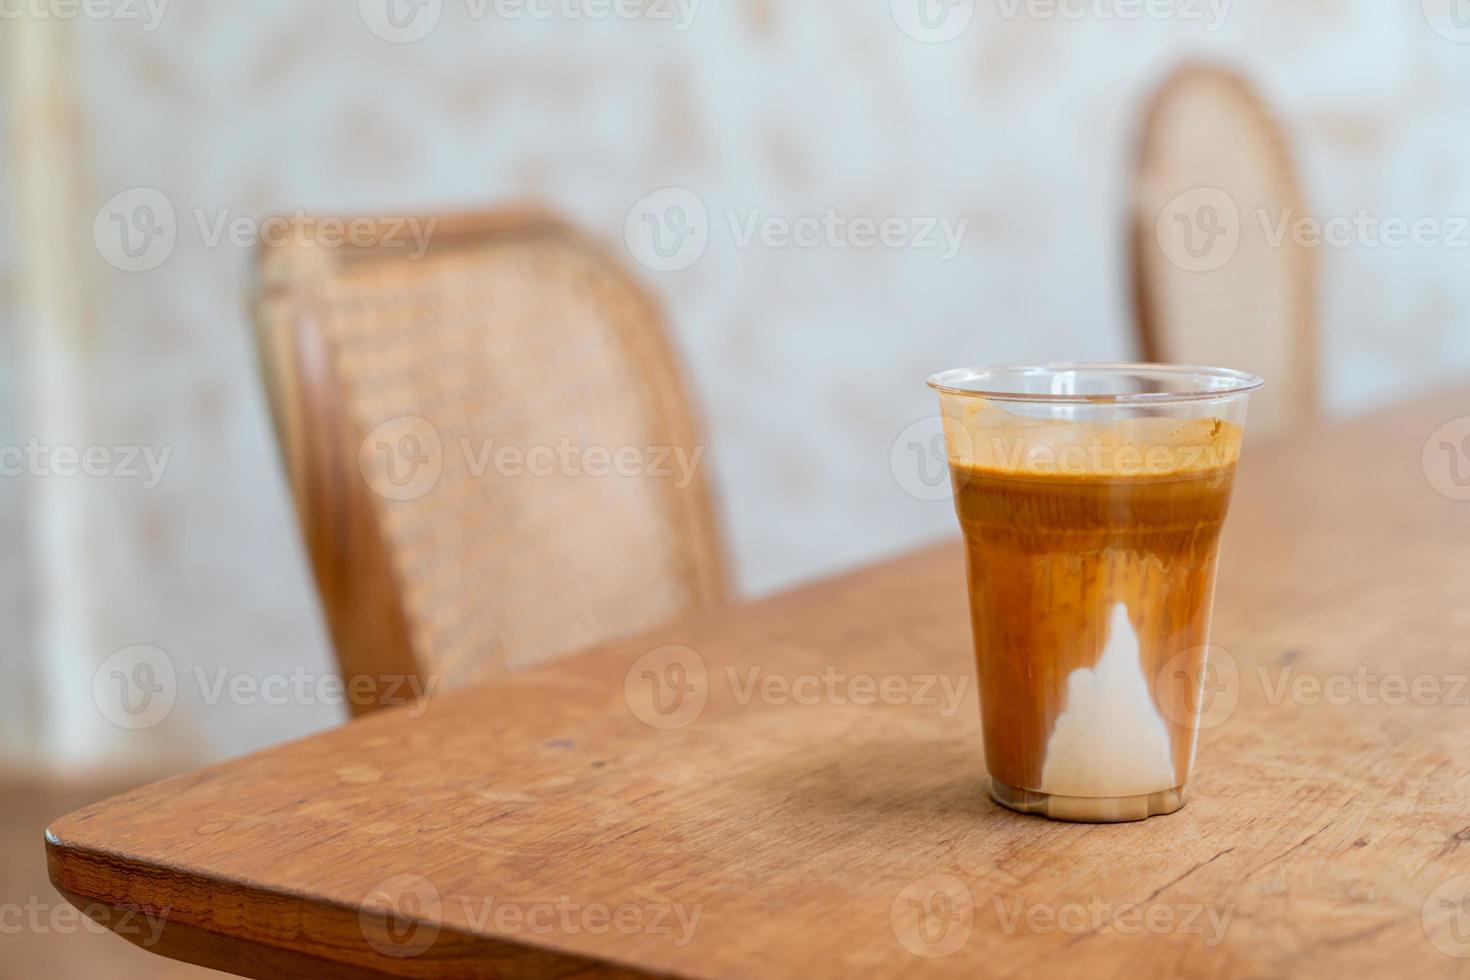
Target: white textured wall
17, 722
808, 362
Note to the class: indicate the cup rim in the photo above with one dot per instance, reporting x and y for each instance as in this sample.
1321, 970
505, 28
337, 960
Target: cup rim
1229, 383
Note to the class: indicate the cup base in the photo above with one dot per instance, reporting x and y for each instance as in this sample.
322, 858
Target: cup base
1087, 809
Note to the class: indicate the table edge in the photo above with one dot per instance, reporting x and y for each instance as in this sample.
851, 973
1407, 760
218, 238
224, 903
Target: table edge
80, 873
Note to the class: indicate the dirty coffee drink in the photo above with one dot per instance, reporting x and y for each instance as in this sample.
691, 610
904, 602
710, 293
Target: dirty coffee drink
1091, 552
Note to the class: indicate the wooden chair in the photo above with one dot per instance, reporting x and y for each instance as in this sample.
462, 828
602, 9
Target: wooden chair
442, 419
1245, 302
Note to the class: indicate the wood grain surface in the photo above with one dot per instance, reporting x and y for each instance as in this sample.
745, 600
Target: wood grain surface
555, 822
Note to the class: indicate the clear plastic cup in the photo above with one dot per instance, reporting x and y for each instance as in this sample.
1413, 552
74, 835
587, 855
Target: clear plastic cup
1091, 497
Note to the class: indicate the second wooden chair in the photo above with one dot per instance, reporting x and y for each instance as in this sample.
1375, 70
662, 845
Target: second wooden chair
1220, 275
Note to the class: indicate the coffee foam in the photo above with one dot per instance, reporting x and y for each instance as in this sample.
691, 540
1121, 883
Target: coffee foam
983, 436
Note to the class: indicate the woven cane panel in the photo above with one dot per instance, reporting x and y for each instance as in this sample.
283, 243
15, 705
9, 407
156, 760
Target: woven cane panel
505, 349
1254, 311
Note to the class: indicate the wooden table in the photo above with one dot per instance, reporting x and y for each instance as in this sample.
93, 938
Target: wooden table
539, 825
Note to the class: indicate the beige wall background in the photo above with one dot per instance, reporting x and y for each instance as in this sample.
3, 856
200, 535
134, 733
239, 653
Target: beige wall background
808, 362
